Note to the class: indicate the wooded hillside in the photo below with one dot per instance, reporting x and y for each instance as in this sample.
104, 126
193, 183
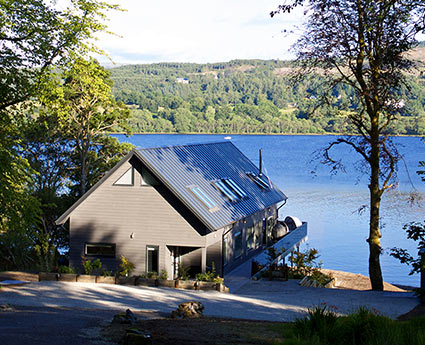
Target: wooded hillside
248, 96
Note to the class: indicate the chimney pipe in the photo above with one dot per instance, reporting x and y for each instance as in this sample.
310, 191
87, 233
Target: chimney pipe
261, 162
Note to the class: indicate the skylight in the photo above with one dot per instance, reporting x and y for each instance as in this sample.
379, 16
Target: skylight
203, 197
230, 189
258, 180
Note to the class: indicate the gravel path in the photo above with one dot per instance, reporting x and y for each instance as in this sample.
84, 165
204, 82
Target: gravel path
257, 300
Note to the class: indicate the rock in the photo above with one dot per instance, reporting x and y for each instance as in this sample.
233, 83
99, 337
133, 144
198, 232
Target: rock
125, 318
137, 336
192, 309
6, 307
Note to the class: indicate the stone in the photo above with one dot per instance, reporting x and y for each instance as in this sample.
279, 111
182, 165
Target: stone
125, 318
192, 309
137, 336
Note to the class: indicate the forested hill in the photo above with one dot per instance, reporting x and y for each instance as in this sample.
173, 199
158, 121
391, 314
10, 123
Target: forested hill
245, 96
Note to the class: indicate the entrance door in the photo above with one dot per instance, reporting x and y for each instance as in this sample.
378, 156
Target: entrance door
152, 259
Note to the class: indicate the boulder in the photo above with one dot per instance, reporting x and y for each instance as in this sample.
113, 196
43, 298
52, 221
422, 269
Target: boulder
192, 309
137, 336
125, 318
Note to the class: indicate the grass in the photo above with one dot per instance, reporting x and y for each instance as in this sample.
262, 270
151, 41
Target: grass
322, 326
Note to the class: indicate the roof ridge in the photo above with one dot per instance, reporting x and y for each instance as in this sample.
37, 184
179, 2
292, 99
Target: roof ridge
185, 145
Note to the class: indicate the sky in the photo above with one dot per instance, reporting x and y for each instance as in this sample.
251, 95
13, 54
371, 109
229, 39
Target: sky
197, 31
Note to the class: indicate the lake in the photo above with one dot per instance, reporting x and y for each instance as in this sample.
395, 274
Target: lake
330, 203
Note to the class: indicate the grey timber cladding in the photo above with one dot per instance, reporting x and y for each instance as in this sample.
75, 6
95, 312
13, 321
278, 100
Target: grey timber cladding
181, 167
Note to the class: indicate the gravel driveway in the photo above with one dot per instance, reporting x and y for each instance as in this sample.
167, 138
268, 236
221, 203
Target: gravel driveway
257, 300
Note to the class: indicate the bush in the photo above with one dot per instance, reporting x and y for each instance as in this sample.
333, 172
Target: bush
66, 269
183, 272
126, 267
106, 273
89, 266
163, 275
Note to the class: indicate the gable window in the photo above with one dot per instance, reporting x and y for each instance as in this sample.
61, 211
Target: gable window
259, 180
147, 179
230, 189
204, 198
126, 179
100, 249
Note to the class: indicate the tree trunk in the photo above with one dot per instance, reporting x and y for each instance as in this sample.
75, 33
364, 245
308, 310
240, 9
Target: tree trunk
374, 240
83, 175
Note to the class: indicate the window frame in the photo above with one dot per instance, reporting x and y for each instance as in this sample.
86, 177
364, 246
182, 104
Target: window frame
126, 184
100, 244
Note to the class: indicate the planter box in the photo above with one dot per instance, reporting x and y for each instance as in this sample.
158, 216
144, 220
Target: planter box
47, 276
185, 284
67, 277
165, 283
85, 278
205, 286
145, 282
105, 280
127, 280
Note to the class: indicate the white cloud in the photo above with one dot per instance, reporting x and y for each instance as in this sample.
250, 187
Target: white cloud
197, 31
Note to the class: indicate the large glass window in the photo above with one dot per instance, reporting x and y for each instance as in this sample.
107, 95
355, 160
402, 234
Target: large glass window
238, 244
152, 258
250, 238
100, 249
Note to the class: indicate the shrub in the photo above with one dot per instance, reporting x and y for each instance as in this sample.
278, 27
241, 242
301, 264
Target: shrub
163, 275
106, 273
126, 267
152, 275
183, 272
66, 269
89, 266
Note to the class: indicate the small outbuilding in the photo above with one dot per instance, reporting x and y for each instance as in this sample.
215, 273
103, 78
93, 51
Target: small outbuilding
193, 205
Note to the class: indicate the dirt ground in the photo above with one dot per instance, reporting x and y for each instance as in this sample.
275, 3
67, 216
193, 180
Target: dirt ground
204, 331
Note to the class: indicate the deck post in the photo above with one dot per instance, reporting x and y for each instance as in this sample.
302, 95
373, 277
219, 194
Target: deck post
203, 259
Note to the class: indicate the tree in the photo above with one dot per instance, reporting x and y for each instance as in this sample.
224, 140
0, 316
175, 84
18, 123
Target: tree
363, 44
85, 109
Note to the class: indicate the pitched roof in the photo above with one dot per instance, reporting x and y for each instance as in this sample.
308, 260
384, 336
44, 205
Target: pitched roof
183, 168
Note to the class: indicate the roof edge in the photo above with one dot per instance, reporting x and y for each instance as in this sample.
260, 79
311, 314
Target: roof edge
64, 217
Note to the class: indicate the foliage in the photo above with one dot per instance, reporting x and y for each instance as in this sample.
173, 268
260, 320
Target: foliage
305, 263
38, 34
246, 96
66, 269
163, 275
152, 275
209, 276
126, 267
107, 273
89, 266
363, 44
416, 232
183, 272
322, 326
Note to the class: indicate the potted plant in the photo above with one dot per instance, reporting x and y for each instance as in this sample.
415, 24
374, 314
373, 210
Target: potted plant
126, 268
88, 267
163, 281
67, 274
107, 277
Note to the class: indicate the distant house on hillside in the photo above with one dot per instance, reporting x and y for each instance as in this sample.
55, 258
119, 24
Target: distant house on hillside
161, 207
182, 80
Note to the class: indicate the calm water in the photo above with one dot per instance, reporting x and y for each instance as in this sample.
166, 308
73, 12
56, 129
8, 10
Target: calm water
330, 203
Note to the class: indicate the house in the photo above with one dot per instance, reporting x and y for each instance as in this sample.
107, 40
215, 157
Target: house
196, 205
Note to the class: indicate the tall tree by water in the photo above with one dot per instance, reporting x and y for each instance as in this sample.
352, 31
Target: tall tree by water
85, 108
363, 44
35, 35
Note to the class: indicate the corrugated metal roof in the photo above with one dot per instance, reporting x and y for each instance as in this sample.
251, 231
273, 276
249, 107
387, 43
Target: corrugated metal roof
181, 168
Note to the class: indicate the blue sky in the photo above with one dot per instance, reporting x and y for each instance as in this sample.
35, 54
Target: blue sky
197, 31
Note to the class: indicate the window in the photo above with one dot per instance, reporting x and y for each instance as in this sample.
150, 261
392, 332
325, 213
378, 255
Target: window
250, 240
257, 234
238, 244
126, 179
230, 189
100, 249
225, 251
147, 179
152, 256
259, 180
204, 198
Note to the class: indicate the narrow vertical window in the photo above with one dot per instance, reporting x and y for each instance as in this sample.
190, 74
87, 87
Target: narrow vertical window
152, 259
